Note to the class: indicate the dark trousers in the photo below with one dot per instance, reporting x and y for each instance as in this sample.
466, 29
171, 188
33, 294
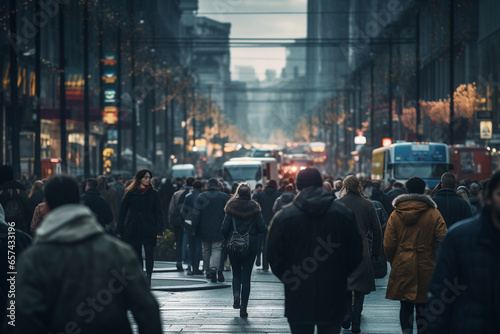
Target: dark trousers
149, 253
309, 329
261, 246
242, 272
406, 315
178, 235
354, 309
194, 251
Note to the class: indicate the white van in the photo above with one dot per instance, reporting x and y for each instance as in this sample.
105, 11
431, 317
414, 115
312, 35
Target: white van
184, 170
251, 170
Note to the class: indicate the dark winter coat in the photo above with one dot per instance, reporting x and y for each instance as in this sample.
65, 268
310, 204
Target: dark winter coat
453, 208
380, 196
140, 219
36, 199
209, 214
266, 199
464, 294
412, 235
76, 276
284, 199
314, 232
363, 279
380, 263
391, 195
14, 189
99, 206
247, 217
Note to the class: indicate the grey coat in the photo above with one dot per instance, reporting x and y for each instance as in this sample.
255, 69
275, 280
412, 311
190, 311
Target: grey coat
362, 278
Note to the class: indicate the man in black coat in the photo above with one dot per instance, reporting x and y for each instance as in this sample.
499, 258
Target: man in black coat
314, 273
453, 208
98, 205
266, 199
207, 218
464, 294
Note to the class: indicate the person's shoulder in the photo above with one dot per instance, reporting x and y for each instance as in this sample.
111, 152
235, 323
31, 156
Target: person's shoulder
468, 228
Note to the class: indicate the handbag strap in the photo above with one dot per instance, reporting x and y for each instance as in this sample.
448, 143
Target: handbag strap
234, 227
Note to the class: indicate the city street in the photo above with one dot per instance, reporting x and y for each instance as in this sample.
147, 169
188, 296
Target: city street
202, 310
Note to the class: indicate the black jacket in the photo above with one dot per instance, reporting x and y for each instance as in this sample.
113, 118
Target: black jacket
266, 199
314, 232
99, 207
464, 294
14, 189
453, 208
208, 214
284, 199
140, 219
247, 217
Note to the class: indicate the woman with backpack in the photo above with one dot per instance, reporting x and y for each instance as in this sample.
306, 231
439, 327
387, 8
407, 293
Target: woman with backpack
243, 216
140, 219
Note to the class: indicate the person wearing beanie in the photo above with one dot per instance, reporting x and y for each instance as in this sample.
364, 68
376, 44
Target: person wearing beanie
14, 199
362, 280
321, 226
412, 234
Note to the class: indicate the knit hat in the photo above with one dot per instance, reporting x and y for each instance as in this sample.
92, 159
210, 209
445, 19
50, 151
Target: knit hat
309, 177
415, 185
6, 174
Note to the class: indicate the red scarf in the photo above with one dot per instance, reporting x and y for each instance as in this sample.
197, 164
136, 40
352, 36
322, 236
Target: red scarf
143, 190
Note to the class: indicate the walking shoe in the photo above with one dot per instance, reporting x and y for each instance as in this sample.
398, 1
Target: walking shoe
220, 276
346, 323
213, 276
208, 275
356, 324
198, 272
179, 268
257, 263
236, 300
243, 311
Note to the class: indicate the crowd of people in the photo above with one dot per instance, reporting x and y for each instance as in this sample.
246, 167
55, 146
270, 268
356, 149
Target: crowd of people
442, 245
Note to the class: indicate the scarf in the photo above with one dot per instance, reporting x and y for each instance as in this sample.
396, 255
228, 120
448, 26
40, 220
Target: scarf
143, 190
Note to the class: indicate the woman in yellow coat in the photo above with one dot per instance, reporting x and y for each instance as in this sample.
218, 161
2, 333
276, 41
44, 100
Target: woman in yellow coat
413, 232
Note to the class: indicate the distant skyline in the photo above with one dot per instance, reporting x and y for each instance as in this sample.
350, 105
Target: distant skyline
259, 26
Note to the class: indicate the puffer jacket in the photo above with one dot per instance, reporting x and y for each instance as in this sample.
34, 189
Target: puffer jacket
247, 218
464, 293
314, 232
77, 274
412, 235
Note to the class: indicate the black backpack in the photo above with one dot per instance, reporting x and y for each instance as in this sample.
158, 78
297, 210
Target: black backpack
237, 244
177, 219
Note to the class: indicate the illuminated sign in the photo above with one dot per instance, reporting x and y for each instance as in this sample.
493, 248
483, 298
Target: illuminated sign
110, 96
110, 115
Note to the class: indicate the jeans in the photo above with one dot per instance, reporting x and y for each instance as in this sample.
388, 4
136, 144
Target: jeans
149, 253
406, 315
309, 329
178, 235
211, 255
242, 272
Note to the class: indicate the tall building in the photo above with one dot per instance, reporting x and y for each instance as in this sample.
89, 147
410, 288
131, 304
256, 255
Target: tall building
246, 74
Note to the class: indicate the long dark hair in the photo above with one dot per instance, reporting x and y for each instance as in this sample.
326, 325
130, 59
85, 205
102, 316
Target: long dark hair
137, 180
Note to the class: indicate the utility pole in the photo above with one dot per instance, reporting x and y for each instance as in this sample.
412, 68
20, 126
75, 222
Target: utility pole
102, 137
417, 76
14, 96
390, 90
62, 90
372, 107
86, 89
119, 100
452, 73
37, 164
134, 107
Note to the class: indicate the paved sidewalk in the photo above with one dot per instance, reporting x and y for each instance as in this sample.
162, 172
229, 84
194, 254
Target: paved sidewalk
190, 307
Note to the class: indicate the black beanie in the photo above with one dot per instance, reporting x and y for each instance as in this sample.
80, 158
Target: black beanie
415, 185
309, 177
6, 174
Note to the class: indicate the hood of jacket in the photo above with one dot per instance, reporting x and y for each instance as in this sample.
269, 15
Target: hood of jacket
287, 197
409, 207
314, 201
243, 208
69, 223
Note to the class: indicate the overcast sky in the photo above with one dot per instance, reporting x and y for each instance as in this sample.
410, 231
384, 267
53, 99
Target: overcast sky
259, 26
